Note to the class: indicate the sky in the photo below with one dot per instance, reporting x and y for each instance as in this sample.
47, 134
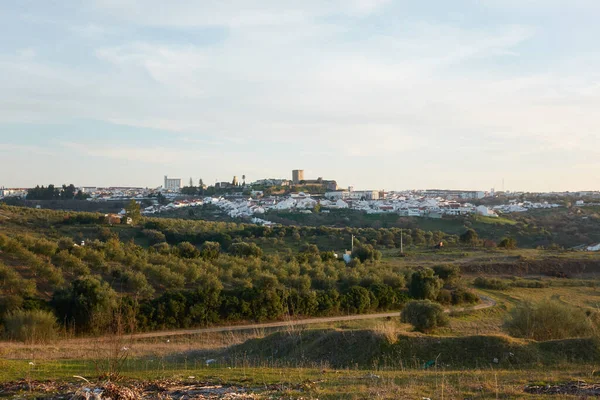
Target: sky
377, 94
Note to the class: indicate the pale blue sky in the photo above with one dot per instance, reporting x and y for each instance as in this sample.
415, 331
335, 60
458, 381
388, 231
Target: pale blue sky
373, 93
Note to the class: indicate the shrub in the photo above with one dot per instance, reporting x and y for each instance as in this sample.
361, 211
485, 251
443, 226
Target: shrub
424, 315
65, 243
470, 237
548, 320
530, 284
44, 247
444, 296
366, 253
508, 243
154, 236
357, 300
210, 250
490, 283
32, 326
462, 296
243, 249
87, 304
70, 263
450, 274
187, 250
424, 285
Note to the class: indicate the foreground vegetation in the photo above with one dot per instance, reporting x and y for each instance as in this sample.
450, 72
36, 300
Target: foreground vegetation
66, 275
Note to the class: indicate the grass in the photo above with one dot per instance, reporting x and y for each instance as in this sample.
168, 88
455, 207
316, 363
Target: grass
351, 383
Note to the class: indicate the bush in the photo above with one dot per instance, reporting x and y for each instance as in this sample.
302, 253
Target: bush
32, 326
548, 320
444, 297
154, 236
243, 249
462, 296
470, 237
490, 283
357, 300
366, 253
450, 274
87, 304
424, 285
187, 250
210, 250
508, 243
424, 315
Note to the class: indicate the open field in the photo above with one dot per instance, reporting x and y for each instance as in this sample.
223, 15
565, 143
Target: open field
322, 383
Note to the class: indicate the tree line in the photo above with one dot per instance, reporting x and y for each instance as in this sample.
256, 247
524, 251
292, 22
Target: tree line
50, 192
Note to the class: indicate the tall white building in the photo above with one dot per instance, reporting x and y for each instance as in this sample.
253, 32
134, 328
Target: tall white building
172, 183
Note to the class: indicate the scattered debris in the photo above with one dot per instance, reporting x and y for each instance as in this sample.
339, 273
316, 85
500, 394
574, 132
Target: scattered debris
578, 388
165, 389
496, 361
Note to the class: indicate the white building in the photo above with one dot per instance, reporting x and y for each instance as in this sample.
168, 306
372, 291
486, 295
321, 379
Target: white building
593, 247
337, 195
486, 212
173, 184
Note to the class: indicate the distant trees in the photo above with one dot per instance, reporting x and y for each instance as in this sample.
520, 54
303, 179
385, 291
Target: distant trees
133, 211
366, 253
189, 190
53, 193
243, 249
162, 200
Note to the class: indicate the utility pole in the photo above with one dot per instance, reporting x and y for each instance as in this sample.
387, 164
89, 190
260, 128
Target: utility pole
352, 243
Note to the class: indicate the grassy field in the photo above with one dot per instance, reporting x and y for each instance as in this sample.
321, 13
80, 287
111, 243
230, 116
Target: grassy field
319, 383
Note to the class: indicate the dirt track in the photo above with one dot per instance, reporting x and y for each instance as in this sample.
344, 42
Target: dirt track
486, 303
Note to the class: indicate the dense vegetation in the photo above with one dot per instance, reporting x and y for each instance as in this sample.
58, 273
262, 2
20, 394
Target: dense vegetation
174, 273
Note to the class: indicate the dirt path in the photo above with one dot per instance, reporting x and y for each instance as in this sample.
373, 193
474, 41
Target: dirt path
486, 302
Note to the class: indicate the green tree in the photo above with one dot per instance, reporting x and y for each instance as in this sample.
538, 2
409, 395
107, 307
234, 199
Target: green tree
366, 253
424, 315
67, 192
357, 300
210, 250
162, 200
187, 250
450, 274
470, 237
133, 211
508, 243
424, 284
87, 305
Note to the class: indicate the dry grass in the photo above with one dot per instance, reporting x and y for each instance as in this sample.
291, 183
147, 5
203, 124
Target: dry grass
390, 329
155, 347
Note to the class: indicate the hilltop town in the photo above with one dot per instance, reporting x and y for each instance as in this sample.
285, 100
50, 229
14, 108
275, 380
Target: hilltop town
251, 200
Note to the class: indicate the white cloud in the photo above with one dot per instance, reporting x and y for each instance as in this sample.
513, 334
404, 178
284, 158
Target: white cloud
334, 77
